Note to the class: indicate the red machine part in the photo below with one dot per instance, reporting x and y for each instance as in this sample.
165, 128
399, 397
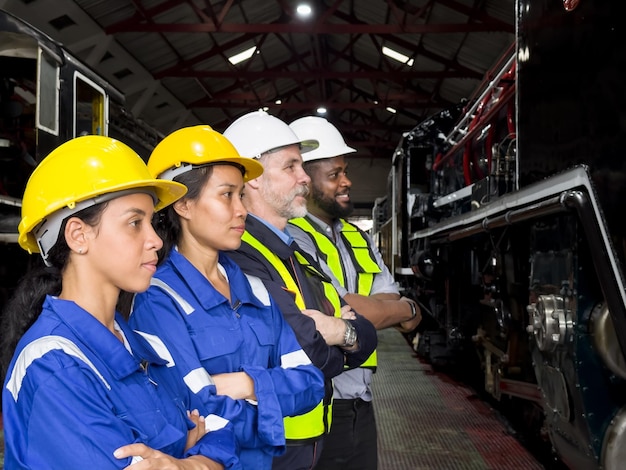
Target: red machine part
485, 115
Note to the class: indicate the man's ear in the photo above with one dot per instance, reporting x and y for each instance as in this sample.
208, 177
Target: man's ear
75, 235
254, 184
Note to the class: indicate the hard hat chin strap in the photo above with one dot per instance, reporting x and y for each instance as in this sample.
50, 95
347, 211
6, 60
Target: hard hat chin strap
47, 232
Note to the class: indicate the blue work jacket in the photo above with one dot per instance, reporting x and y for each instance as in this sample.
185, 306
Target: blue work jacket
206, 334
74, 394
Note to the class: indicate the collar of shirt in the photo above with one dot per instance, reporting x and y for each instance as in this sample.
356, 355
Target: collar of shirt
199, 286
282, 234
329, 230
102, 342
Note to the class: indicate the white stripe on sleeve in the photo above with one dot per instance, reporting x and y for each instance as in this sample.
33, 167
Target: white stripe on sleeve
214, 422
197, 379
294, 359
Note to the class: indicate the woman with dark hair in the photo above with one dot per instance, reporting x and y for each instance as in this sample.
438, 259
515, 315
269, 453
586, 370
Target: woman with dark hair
226, 335
79, 391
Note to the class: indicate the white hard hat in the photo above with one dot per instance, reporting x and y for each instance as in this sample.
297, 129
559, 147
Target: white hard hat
321, 138
257, 132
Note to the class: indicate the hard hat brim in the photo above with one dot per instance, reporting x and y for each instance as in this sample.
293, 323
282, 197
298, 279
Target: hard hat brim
318, 154
253, 169
167, 192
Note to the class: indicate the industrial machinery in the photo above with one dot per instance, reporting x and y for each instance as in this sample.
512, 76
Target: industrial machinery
505, 219
47, 96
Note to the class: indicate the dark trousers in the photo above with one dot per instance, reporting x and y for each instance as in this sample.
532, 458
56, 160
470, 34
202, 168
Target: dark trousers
351, 443
299, 457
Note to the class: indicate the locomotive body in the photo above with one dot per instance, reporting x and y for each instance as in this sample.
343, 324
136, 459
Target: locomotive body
506, 224
47, 96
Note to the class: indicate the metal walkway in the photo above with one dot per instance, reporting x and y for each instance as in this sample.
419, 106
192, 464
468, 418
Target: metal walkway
428, 422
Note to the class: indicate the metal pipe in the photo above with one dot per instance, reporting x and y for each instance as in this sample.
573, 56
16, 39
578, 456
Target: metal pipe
469, 114
547, 207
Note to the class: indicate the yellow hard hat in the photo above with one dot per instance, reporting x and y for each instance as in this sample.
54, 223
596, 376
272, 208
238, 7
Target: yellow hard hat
73, 177
195, 146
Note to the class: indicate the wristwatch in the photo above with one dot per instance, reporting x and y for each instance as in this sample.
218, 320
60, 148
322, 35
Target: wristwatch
349, 337
413, 309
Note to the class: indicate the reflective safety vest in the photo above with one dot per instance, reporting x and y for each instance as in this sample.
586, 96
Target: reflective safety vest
316, 422
360, 253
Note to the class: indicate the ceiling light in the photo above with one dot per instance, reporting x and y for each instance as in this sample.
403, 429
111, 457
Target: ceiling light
303, 10
245, 55
397, 56
278, 102
390, 109
321, 110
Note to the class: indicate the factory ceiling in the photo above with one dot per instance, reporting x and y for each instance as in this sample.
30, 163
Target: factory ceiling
172, 61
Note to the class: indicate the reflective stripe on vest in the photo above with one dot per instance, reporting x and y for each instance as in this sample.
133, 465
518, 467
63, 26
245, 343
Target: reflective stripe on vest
330, 292
360, 253
325, 246
316, 422
362, 258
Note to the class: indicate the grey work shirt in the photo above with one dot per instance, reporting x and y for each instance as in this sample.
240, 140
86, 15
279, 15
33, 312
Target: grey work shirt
354, 383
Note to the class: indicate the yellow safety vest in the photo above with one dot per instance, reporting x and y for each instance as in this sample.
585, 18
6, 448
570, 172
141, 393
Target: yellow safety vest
362, 257
316, 422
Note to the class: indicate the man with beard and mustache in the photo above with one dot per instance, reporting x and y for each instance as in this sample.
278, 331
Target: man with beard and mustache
330, 332
354, 264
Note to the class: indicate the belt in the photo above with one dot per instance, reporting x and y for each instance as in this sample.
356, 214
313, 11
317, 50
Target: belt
353, 403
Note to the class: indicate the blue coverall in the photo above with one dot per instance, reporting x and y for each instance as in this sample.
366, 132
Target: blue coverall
207, 334
74, 394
